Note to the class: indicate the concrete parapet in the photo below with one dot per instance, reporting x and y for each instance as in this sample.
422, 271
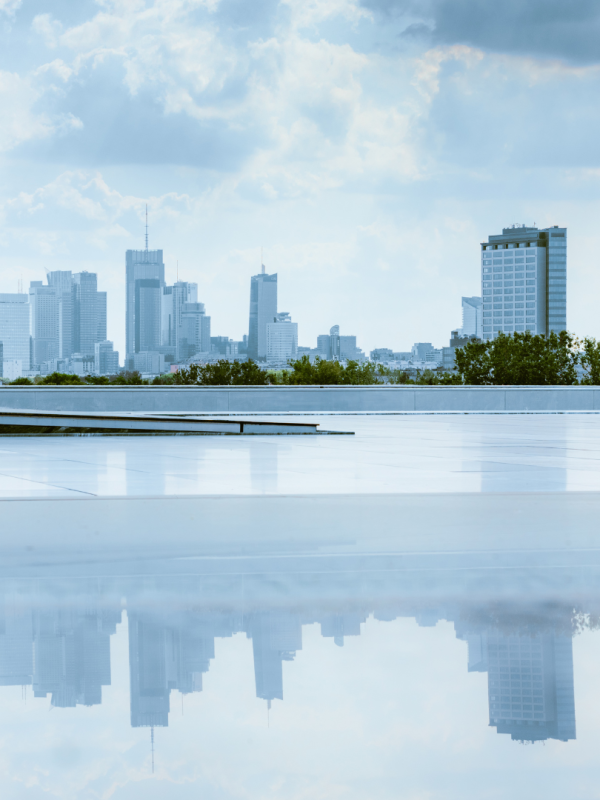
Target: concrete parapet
301, 399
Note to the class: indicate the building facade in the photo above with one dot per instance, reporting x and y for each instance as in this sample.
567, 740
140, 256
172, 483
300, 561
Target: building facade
472, 317
282, 339
14, 331
524, 281
43, 320
263, 310
145, 280
106, 358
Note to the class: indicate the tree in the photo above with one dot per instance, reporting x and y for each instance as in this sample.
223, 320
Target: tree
60, 379
327, 373
127, 379
224, 373
590, 361
520, 359
21, 382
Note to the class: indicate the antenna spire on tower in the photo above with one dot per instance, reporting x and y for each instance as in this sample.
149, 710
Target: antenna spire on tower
262, 266
146, 227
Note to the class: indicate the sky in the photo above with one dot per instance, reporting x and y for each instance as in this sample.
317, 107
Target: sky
366, 146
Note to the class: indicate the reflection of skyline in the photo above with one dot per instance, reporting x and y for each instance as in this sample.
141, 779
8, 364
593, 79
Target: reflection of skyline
58, 639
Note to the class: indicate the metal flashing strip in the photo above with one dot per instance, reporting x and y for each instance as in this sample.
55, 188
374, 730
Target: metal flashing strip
53, 423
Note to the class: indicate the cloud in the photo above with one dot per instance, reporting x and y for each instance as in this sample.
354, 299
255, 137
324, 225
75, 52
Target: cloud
540, 28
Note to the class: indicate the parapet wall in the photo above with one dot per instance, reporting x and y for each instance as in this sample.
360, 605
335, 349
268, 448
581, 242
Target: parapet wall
300, 399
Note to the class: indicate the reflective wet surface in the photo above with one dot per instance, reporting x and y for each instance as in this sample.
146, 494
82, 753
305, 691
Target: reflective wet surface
387, 454
302, 674
348, 646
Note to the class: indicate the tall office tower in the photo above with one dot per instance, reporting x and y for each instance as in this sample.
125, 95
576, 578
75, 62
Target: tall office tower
1, 360
193, 332
524, 281
145, 277
106, 358
14, 329
263, 310
173, 300
62, 282
472, 317
43, 319
88, 314
282, 338
530, 685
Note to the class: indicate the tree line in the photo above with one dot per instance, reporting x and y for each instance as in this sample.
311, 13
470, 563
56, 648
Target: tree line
525, 359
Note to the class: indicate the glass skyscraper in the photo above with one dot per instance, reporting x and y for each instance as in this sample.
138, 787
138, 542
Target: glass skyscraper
145, 277
524, 281
263, 310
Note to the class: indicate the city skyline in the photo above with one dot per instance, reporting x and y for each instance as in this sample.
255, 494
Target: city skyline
63, 651
377, 197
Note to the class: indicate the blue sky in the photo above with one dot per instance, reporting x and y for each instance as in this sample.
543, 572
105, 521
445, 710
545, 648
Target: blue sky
368, 147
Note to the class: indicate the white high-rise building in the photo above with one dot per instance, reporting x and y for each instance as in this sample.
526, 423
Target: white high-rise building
472, 317
14, 329
282, 338
524, 281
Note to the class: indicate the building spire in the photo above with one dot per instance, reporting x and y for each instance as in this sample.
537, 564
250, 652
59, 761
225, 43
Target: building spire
146, 227
262, 266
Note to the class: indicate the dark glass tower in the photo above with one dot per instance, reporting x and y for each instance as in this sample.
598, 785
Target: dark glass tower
263, 309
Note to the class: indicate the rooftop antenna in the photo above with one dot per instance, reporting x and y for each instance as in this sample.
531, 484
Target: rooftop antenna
146, 227
268, 713
178, 272
262, 266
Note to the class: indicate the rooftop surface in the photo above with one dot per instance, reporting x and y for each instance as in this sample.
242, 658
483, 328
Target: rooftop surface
387, 455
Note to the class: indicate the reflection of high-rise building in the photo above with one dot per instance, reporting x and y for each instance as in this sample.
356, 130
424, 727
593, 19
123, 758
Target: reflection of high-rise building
530, 684
263, 310
151, 666
72, 657
276, 636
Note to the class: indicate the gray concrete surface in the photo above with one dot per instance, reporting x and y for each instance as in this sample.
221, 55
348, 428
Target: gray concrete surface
301, 399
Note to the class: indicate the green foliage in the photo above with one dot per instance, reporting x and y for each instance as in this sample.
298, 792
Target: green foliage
60, 379
97, 380
326, 373
163, 380
429, 377
590, 361
21, 382
224, 373
520, 359
127, 379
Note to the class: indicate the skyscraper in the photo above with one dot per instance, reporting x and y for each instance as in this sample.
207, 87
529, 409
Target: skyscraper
145, 278
263, 310
174, 299
14, 329
524, 281
472, 319
62, 281
88, 314
282, 338
43, 304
